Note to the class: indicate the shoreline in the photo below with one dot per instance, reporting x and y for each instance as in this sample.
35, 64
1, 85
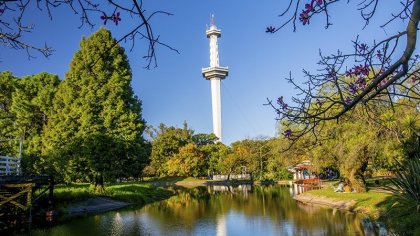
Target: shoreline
371, 220
95, 205
103, 204
328, 202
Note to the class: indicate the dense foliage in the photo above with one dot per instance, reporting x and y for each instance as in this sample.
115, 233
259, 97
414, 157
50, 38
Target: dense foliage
87, 127
25, 107
178, 152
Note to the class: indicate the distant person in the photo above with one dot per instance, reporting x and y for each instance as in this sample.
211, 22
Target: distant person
305, 174
340, 187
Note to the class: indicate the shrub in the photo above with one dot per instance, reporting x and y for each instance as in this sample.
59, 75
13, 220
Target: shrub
404, 216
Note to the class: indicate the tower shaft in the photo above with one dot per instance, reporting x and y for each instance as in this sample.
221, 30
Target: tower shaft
216, 107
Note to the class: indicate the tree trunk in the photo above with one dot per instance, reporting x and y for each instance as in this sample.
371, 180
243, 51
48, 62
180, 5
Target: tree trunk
356, 177
357, 183
355, 170
99, 184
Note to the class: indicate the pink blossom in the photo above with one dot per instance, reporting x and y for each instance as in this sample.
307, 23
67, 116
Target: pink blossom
358, 70
116, 18
353, 88
104, 17
287, 133
308, 7
348, 100
270, 29
282, 104
318, 2
362, 48
304, 17
361, 82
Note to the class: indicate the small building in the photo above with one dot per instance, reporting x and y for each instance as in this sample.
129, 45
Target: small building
302, 173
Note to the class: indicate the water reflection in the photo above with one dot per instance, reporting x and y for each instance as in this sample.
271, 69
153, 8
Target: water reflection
221, 226
296, 189
218, 210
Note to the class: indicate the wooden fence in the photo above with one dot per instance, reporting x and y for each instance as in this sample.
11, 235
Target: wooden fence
9, 165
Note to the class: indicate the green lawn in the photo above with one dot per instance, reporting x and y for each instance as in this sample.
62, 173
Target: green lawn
133, 192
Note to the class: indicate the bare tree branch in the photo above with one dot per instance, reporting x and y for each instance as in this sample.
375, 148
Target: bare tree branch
13, 30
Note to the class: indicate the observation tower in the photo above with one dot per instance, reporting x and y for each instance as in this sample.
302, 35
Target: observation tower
215, 73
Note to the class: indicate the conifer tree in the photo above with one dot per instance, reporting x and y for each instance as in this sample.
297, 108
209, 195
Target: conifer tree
95, 111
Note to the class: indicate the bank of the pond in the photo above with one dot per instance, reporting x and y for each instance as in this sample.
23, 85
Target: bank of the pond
94, 205
372, 203
79, 199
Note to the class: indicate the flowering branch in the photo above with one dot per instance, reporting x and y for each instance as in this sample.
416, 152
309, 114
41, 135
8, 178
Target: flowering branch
376, 72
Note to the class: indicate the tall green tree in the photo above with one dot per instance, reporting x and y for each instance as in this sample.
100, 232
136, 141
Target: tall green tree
96, 101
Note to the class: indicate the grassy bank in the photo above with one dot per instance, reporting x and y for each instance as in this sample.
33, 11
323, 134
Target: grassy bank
132, 192
372, 202
376, 203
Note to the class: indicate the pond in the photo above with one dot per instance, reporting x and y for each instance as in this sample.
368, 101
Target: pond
218, 210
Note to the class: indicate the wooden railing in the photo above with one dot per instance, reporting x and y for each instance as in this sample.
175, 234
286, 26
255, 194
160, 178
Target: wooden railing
313, 181
9, 165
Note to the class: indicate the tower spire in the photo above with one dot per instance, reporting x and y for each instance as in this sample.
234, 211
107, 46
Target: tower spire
215, 73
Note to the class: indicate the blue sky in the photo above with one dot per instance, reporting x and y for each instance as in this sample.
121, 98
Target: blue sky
175, 91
